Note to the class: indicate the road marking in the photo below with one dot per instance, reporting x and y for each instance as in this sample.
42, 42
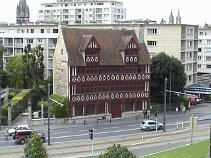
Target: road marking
148, 140
111, 127
62, 132
132, 125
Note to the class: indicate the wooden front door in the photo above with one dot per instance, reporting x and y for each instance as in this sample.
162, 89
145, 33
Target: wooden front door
116, 109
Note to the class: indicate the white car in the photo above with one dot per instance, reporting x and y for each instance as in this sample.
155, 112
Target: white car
12, 130
148, 125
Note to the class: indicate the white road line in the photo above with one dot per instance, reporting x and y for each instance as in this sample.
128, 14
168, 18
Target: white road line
148, 140
111, 127
62, 132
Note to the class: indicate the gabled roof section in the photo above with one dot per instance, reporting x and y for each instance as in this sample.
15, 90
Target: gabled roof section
126, 41
109, 40
86, 40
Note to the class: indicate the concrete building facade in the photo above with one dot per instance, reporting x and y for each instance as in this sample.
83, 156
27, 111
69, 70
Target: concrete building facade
204, 50
16, 37
82, 12
178, 40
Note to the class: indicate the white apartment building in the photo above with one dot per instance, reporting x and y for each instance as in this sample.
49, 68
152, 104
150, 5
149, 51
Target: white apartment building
204, 50
78, 12
178, 40
16, 37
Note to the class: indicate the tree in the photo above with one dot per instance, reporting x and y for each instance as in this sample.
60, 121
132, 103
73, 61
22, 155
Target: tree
117, 151
2, 50
27, 70
15, 70
164, 66
58, 110
33, 66
35, 148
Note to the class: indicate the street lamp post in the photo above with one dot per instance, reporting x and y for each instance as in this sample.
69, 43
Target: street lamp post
49, 115
0, 103
50, 99
164, 115
9, 114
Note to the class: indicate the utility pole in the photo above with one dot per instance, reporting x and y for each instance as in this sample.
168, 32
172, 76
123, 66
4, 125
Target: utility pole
164, 115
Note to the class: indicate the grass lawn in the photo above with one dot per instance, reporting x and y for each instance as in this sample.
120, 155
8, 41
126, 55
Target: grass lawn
196, 150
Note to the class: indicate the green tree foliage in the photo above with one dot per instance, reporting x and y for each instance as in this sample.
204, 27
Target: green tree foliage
164, 66
15, 70
2, 50
117, 151
58, 110
35, 148
4, 79
33, 66
27, 71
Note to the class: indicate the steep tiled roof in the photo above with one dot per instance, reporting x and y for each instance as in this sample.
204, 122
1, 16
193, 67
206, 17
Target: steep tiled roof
124, 42
110, 42
85, 41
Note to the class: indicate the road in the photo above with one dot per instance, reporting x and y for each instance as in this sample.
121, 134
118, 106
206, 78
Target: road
112, 132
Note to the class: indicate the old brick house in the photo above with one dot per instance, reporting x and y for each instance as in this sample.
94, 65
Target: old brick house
103, 72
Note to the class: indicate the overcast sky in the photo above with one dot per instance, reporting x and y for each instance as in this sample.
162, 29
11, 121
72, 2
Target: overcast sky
191, 11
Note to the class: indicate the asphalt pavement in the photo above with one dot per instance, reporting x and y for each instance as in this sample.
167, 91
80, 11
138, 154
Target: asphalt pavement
202, 111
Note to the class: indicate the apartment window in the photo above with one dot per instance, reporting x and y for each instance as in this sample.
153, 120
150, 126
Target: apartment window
189, 55
189, 78
190, 43
208, 42
32, 30
29, 40
208, 58
42, 31
208, 49
151, 31
208, 66
39, 40
200, 41
199, 66
151, 43
201, 33
55, 30
199, 49
190, 31
199, 57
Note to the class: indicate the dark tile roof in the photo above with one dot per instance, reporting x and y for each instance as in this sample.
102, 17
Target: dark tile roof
110, 42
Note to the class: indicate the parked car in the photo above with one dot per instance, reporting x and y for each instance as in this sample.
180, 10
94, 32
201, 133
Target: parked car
21, 136
147, 125
12, 130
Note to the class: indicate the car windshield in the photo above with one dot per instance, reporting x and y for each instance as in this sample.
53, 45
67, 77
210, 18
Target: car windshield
143, 123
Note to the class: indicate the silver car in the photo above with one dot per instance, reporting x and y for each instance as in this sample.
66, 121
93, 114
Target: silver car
148, 125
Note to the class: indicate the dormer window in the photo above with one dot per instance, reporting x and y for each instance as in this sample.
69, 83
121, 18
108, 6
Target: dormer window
91, 49
129, 50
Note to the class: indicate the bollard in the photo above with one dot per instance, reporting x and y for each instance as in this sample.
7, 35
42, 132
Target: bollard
142, 137
110, 120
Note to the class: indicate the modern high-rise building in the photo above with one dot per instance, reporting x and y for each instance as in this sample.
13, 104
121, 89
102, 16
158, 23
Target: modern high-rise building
76, 12
22, 13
